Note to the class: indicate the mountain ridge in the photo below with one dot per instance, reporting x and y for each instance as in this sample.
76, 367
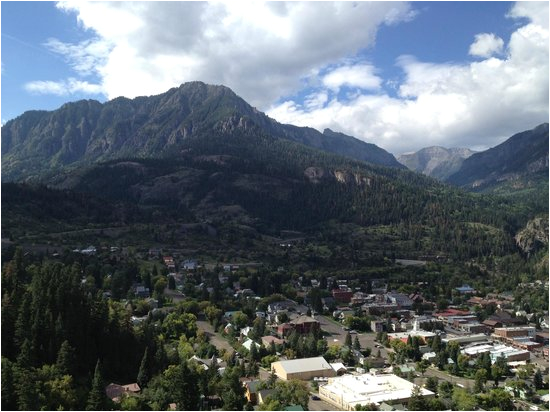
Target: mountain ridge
516, 161
87, 131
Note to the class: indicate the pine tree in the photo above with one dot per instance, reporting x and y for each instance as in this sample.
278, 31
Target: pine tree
537, 380
143, 374
65, 359
97, 398
348, 340
356, 344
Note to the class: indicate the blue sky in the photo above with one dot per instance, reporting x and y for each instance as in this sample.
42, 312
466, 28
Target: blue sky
400, 75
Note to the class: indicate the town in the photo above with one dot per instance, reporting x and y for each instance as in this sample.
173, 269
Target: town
331, 343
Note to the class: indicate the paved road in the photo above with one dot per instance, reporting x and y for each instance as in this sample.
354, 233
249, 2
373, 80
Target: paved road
465, 382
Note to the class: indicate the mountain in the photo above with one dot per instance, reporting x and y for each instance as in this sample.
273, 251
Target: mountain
435, 161
519, 162
84, 132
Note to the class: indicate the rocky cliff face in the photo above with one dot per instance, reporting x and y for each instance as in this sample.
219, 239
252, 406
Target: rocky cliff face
435, 161
534, 236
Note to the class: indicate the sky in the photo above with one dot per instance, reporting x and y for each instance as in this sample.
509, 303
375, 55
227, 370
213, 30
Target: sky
401, 75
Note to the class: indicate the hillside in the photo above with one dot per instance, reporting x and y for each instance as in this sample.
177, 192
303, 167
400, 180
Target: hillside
435, 161
81, 133
518, 163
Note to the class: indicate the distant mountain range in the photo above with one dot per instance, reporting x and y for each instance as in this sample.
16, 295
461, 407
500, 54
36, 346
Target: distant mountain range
87, 131
435, 161
516, 162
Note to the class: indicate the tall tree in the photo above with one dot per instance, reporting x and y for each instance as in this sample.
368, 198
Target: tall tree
143, 374
65, 359
97, 398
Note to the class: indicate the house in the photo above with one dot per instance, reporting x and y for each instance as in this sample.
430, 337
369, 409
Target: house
266, 341
208, 363
115, 392
264, 394
465, 290
305, 324
248, 344
142, 292
399, 299
284, 329
303, 369
245, 331
189, 265
251, 390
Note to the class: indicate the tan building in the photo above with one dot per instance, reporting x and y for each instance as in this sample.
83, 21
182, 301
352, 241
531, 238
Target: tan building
303, 369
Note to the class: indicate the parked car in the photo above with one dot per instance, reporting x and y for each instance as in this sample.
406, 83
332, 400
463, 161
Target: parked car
315, 398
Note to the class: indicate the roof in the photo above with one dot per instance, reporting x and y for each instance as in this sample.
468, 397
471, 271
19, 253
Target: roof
365, 389
304, 365
304, 319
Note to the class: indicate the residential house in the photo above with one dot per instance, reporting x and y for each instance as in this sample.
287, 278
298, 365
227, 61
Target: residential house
251, 390
305, 324
267, 340
115, 392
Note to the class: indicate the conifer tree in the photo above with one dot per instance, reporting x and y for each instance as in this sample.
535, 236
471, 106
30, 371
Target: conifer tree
97, 398
143, 374
65, 359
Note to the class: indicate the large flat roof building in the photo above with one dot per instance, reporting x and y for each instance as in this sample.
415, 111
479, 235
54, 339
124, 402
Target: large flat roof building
303, 369
348, 391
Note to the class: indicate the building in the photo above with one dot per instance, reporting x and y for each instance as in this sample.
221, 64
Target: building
266, 341
342, 295
525, 331
115, 392
465, 289
303, 369
348, 391
305, 324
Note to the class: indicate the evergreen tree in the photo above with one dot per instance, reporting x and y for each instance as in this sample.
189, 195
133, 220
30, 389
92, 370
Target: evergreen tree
9, 400
356, 344
348, 340
97, 398
65, 359
143, 374
537, 380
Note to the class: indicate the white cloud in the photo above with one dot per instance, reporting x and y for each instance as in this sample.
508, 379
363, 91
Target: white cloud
486, 45
63, 87
471, 104
262, 50
359, 75
267, 50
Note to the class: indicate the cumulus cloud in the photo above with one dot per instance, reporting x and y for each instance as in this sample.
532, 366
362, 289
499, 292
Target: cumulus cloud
486, 45
261, 50
472, 104
360, 75
265, 51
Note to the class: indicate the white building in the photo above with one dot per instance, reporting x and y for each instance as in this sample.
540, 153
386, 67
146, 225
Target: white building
347, 391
